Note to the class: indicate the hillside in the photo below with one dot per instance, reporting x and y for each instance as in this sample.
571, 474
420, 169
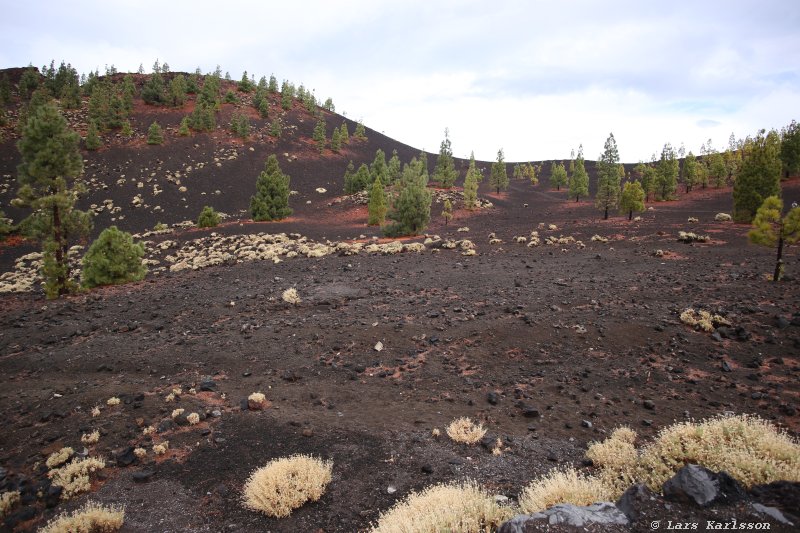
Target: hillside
534, 316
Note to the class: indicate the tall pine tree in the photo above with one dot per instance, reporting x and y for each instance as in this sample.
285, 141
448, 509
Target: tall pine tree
271, 201
498, 180
608, 178
579, 184
759, 177
445, 170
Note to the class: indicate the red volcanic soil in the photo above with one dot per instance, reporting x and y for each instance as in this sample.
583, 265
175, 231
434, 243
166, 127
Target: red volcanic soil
568, 342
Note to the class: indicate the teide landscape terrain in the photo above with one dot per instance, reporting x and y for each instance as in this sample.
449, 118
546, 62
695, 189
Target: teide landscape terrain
276, 363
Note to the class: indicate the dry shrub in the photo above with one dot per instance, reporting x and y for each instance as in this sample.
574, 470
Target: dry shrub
193, 419
95, 411
285, 484
689, 237
177, 412
465, 430
140, 452
598, 238
703, 319
7, 501
562, 487
617, 457
290, 296
74, 477
112, 401
161, 449
748, 448
91, 438
60, 457
91, 518
723, 217
448, 507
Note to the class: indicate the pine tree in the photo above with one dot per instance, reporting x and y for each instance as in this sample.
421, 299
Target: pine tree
273, 84
517, 172
499, 179
477, 170
178, 90
203, 117
336, 141
558, 175
579, 184
154, 134
93, 141
357, 182
183, 129
112, 259
790, 149
275, 127
245, 85
348, 176
412, 208
393, 168
263, 108
344, 133
717, 172
759, 176
361, 132
607, 197
771, 228
632, 199
319, 134
230, 97
5, 89
271, 201
471, 186
153, 90
286, 100
666, 174
51, 162
28, 82
240, 125
445, 170
127, 130
377, 204
208, 218
377, 170
691, 174
447, 212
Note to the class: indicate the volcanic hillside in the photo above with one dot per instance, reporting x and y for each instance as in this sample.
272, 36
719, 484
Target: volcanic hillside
532, 315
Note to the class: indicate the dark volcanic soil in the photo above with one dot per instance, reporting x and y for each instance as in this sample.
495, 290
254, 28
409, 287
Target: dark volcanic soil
567, 342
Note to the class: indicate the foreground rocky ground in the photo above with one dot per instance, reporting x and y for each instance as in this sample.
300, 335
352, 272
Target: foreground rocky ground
551, 347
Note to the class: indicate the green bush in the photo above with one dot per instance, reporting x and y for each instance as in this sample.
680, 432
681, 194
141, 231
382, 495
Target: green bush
113, 258
208, 218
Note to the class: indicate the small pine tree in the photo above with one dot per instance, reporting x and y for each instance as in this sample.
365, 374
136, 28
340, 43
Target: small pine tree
348, 175
240, 125
517, 172
155, 134
632, 199
112, 259
328, 105
393, 168
183, 130
447, 212
691, 174
412, 209
93, 141
319, 135
579, 184
771, 228
471, 186
263, 108
275, 127
178, 90
667, 174
499, 178
286, 100
336, 141
271, 201
245, 85
445, 170
344, 133
377, 204
558, 175
377, 170
231, 98
361, 132
357, 182
127, 130
790, 149
208, 218
28, 82
273, 84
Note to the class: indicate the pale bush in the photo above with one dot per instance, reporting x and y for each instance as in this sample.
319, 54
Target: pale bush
748, 448
598, 238
465, 430
74, 477
91, 438
723, 217
177, 412
91, 518
141, 453
285, 484
193, 418
435, 432
161, 449
457, 507
113, 401
290, 296
562, 487
60, 457
257, 397
7, 501
702, 319
617, 457
693, 220
689, 237
95, 411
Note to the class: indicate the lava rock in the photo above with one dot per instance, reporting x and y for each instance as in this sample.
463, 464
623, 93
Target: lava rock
166, 425
633, 499
143, 476
208, 385
699, 485
125, 456
649, 404
492, 398
605, 513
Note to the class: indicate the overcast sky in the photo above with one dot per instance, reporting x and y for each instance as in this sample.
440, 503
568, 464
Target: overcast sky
533, 77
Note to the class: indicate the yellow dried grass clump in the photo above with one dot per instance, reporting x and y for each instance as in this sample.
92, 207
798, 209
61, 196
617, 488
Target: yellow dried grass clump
465, 430
703, 319
7, 501
285, 484
562, 487
91, 518
748, 448
617, 457
91, 438
74, 477
161, 449
193, 419
290, 296
113, 401
448, 507
60, 457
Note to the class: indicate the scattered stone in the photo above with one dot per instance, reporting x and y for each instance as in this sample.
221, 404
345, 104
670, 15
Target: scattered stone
586, 424
125, 456
208, 385
649, 404
633, 499
773, 513
143, 476
605, 513
699, 485
427, 469
492, 398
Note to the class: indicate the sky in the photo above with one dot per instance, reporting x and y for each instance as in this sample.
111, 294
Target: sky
535, 78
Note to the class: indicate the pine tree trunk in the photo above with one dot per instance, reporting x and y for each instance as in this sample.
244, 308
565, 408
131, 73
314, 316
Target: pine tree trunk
577, 198
605, 216
58, 238
630, 215
779, 260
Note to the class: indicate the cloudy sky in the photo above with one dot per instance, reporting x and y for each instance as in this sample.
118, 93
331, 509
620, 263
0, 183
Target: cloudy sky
536, 78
